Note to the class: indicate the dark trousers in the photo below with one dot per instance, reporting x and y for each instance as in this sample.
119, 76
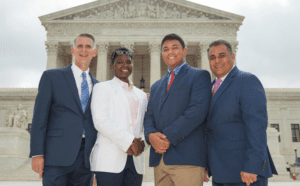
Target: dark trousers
128, 177
74, 175
262, 182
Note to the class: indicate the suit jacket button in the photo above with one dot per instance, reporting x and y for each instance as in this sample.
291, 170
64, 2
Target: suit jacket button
207, 129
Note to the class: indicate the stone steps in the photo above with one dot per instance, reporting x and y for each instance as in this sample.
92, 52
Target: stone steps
23, 173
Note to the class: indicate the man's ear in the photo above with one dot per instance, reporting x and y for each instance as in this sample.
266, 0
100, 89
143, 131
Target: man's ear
233, 57
95, 52
111, 66
185, 51
72, 51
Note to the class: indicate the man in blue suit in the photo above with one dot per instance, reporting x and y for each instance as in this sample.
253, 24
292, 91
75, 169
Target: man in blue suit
63, 133
173, 123
238, 154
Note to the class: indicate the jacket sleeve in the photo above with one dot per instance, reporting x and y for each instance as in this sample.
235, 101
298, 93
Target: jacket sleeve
41, 116
254, 114
149, 122
197, 111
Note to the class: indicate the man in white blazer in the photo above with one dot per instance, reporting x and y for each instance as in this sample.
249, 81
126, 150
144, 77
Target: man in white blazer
118, 110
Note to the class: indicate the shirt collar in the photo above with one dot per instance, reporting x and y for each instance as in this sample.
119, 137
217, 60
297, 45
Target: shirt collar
77, 71
125, 85
223, 78
177, 69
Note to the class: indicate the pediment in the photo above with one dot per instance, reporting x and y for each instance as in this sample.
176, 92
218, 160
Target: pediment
132, 10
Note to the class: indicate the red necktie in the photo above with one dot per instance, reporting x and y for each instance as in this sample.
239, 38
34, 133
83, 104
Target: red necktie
171, 80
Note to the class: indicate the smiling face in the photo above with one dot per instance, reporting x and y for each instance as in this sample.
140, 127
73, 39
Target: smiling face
173, 53
220, 60
83, 52
122, 67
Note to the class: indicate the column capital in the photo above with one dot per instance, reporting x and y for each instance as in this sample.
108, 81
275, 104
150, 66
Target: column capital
102, 47
154, 47
234, 46
51, 47
128, 44
203, 46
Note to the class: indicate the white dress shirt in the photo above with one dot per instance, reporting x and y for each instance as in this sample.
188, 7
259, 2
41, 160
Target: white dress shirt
77, 72
133, 101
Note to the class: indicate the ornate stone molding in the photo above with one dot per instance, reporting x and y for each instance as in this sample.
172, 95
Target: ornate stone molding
144, 28
142, 9
154, 47
51, 47
102, 47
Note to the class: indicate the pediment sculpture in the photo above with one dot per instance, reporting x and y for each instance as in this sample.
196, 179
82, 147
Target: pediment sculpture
141, 9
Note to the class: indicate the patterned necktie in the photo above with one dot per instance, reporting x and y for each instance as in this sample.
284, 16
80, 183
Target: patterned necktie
217, 85
84, 94
171, 80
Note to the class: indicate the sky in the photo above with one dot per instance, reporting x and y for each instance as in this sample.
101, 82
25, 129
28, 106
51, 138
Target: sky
268, 39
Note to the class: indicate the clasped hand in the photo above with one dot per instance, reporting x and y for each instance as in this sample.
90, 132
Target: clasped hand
159, 142
248, 178
136, 148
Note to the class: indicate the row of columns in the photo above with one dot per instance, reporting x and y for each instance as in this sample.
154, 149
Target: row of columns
154, 50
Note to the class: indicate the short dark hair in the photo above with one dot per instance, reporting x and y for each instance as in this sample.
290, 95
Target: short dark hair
85, 35
220, 42
114, 55
173, 37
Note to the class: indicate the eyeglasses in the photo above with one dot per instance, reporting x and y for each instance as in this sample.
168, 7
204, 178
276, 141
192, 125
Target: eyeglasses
121, 52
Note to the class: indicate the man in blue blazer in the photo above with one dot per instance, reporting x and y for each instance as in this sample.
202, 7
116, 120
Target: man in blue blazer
236, 124
63, 133
173, 123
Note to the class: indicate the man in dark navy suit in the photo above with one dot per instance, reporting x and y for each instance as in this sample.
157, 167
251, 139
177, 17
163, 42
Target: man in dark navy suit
174, 119
63, 133
236, 124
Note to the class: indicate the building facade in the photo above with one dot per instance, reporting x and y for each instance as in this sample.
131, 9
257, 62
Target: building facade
140, 25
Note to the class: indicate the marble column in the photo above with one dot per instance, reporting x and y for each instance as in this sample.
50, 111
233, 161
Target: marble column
3, 112
204, 57
286, 129
234, 46
72, 45
155, 73
102, 66
130, 46
51, 47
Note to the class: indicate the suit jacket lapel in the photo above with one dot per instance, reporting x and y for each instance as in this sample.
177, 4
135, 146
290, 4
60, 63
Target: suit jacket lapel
223, 87
72, 85
162, 90
178, 78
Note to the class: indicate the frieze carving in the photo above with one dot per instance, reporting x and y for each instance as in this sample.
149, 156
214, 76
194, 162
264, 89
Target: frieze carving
148, 28
142, 9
